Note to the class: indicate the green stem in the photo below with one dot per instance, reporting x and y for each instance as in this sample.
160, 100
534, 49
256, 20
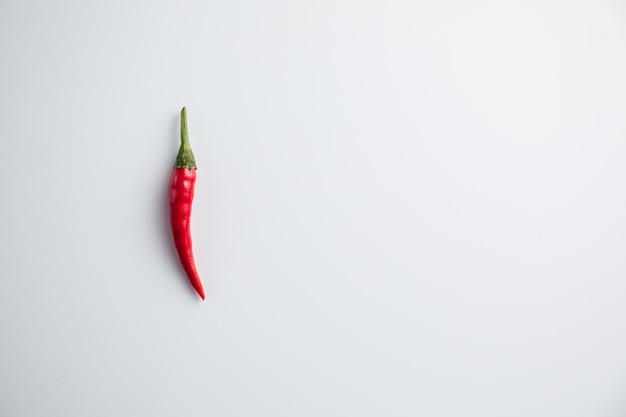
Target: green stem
184, 135
185, 158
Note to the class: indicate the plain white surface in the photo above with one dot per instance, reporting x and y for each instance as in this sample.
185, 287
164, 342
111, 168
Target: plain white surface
402, 208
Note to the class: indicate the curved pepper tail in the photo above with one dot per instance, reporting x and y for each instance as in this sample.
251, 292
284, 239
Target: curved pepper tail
200, 291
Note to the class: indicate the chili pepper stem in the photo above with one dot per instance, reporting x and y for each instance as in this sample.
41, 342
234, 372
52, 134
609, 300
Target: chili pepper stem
185, 158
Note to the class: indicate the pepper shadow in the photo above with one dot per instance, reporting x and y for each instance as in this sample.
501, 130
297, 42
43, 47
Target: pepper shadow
164, 212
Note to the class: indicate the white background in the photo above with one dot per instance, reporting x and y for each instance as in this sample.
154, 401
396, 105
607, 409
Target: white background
402, 208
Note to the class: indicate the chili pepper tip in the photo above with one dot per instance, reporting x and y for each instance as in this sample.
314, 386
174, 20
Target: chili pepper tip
200, 291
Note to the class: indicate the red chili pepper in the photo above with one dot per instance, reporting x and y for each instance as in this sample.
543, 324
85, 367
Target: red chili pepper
181, 196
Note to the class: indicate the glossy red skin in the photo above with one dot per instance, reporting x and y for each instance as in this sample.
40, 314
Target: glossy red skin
181, 191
